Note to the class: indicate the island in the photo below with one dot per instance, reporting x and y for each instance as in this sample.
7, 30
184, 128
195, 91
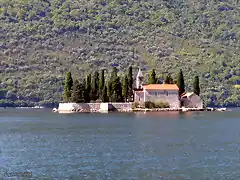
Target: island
129, 94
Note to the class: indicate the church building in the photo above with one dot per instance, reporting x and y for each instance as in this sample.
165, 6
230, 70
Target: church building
156, 92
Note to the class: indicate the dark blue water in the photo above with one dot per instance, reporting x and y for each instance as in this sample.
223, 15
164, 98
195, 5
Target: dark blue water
200, 145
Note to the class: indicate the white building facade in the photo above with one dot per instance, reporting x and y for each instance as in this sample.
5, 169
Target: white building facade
156, 92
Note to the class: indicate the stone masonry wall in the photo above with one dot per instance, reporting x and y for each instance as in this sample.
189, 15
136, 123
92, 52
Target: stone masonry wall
68, 107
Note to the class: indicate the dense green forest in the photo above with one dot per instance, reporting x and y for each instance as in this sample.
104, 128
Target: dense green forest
41, 40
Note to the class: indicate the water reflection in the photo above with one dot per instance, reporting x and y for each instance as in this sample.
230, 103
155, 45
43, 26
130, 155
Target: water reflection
164, 115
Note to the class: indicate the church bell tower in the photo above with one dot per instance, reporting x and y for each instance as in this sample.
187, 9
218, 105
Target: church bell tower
139, 79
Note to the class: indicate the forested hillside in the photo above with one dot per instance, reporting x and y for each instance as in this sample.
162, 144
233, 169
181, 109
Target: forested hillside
40, 40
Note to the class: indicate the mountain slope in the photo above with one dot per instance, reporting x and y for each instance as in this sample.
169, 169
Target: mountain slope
41, 40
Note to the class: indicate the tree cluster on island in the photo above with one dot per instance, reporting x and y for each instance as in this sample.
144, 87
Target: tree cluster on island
179, 81
94, 87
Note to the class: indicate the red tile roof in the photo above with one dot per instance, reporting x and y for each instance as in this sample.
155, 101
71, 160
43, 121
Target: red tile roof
160, 87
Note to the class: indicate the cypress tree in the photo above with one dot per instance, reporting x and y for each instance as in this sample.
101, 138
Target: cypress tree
115, 87
117, 90
68, 87
95, 86
87, 91
114, 73
114, 97
159, 79
112, 85
180, 83
104, 96
101, 84
84, 92
130, 83
109, 90
196, 87
152, 77
125, 88
77, 92
101, 80
168, 79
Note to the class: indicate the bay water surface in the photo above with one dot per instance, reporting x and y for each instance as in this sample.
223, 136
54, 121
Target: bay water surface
169, 145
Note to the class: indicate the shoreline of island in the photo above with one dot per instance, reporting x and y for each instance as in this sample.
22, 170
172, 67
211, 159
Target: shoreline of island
121, 107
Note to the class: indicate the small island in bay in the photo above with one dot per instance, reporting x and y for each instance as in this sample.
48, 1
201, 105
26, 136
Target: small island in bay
98, 92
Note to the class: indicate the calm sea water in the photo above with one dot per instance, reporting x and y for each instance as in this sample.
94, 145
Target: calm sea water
200, 145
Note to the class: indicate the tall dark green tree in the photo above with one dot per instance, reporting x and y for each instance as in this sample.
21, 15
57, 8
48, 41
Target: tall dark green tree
168, 79
95, 86
152, 77
180, 82
117, 90
109, 90
101, 80
114, 97
87, 91
115, 87
130, 83
125, 88
77, 95
101, 83
104, 96
114, 73
68, 87
196, 87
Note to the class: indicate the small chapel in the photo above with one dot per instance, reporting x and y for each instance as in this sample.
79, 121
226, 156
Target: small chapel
156, 92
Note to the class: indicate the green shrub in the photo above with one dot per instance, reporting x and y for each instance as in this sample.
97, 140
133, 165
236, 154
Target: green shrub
149, 105
161, 104
135, 105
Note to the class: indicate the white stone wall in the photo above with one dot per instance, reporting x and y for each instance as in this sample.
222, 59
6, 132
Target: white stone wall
69, 107
155, 95
121, 106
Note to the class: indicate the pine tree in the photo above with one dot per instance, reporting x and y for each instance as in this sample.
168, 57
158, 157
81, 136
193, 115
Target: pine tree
130, 83
168, 79
125, 88
68, 87
87, 91
180, 83
77, 92
196, 87
152, 77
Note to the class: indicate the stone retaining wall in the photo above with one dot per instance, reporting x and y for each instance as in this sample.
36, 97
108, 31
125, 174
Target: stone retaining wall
71, 107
